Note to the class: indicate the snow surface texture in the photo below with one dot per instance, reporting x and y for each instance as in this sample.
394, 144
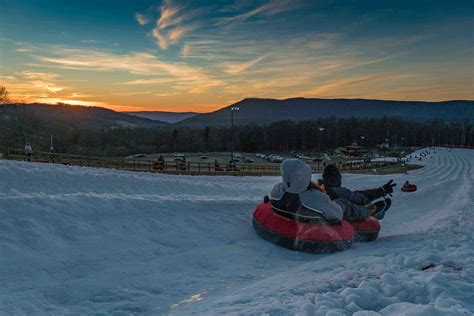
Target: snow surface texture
95, 241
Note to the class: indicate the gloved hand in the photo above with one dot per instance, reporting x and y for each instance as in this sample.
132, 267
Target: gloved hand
388, 187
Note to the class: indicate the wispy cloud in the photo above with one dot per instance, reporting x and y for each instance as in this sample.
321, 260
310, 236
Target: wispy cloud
160, 74
81, 95
270, 8
23, 50
32, 86
355, 86
170, 15
146, 16
237, 68
186, 50
32, 75
153, 81
324, 40
73, 102
126, 94
91, 41
136, 63
172, 24
48, 86
142, 19
165, 38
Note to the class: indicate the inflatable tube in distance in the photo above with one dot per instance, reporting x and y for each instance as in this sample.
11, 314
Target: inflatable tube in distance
411, 188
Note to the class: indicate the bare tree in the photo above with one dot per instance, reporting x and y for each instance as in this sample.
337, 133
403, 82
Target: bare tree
4, 99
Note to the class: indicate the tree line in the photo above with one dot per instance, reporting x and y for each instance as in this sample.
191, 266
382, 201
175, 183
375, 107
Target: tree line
284, 136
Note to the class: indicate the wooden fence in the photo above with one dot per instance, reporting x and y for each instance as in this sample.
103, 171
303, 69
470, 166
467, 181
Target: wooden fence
172, 167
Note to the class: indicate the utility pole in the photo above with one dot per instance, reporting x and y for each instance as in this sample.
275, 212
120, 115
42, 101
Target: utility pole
321, 130
232, 110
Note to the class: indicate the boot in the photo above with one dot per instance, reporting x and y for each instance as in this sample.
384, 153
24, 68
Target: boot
382, 207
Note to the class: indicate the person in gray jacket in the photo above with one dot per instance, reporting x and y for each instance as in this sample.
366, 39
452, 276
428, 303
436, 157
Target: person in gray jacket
297, 197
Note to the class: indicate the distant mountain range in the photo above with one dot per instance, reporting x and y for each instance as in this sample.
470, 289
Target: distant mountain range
70, 116
264, 111
259, 111
169, 117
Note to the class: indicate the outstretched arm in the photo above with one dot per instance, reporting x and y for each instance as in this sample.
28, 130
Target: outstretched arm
356, 197
372, 194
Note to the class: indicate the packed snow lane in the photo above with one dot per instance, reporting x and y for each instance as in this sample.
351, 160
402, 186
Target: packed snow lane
82, 240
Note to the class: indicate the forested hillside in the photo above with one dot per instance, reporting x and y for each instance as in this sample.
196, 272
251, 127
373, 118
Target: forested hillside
323, 134
265, 111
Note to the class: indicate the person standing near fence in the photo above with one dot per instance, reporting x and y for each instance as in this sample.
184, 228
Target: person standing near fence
28, 151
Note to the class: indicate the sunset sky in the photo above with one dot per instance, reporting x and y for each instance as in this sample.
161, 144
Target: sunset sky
203, 55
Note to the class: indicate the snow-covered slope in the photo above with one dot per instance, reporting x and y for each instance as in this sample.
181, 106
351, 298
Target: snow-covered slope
82, 241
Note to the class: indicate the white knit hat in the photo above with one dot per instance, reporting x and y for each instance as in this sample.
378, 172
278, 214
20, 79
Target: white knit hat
296, 175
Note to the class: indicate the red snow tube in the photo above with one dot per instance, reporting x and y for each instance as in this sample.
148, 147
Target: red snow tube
309, 237
367, 230
410, 188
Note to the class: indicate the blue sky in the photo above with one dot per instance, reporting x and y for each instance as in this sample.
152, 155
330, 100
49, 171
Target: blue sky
202, 55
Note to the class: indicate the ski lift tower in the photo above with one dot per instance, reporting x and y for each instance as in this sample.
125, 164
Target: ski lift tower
232, 110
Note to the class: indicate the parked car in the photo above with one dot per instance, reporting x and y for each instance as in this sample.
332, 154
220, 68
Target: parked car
274, 158
136, 156
247, 160
179, 157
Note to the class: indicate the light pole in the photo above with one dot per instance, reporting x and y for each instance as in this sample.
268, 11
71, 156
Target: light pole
52, 147
232, 110
362, 138
321, 130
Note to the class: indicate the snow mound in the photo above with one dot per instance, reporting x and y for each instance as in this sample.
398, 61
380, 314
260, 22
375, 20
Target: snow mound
95, 241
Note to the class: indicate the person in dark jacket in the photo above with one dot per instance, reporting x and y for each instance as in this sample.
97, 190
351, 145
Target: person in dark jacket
360, 200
